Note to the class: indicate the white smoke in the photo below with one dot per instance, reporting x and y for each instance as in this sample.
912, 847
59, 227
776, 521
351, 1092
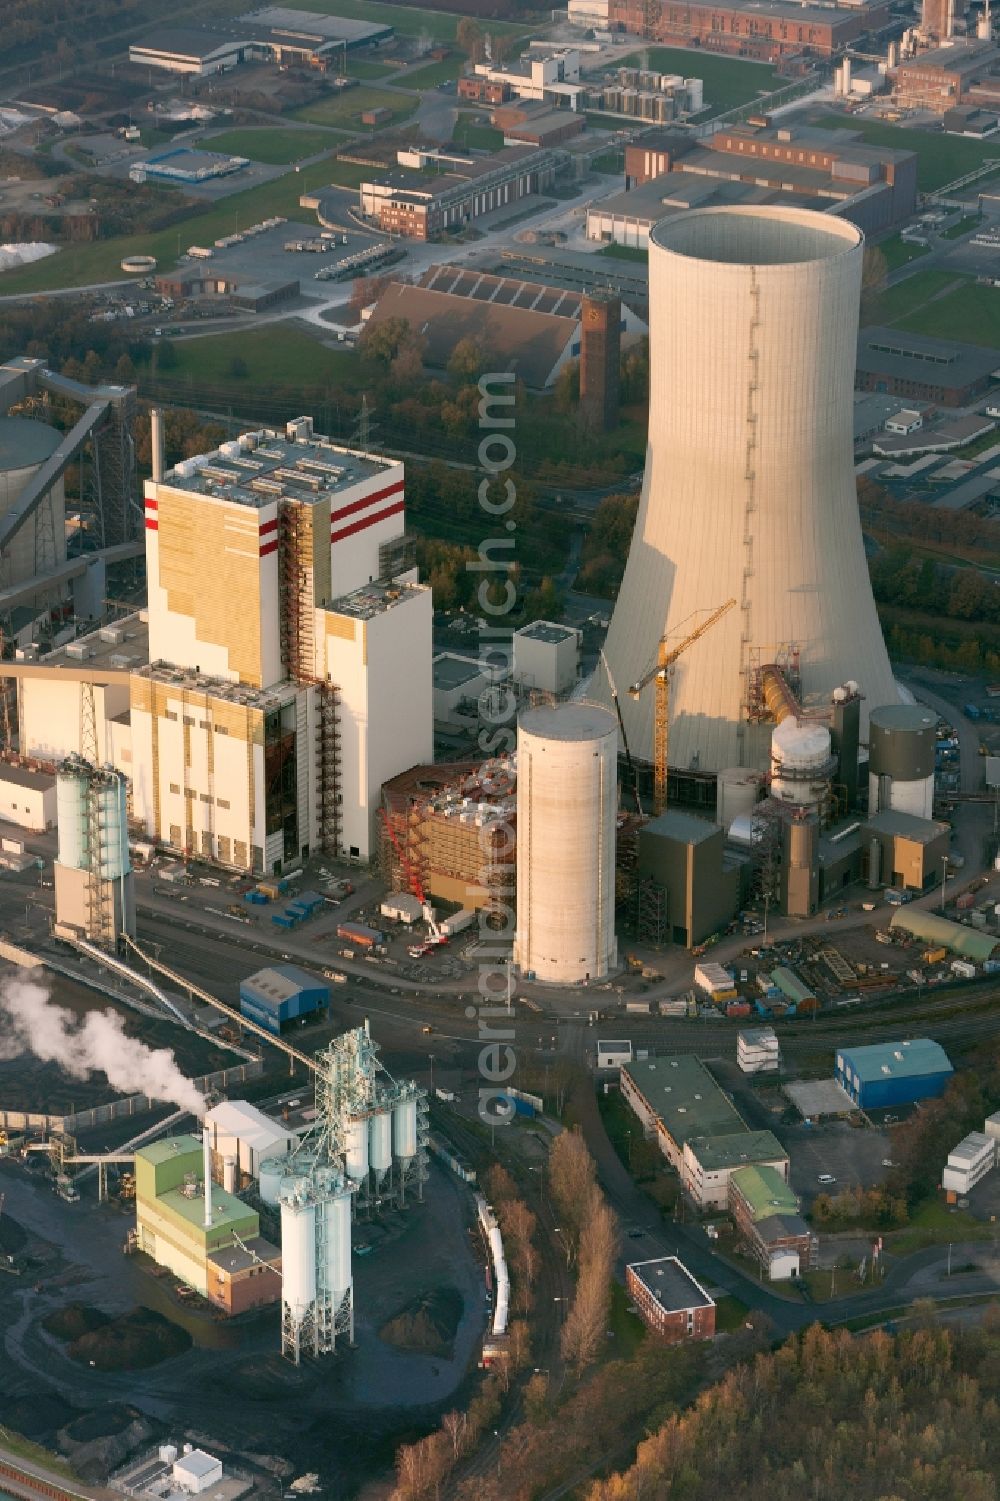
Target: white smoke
33, 1023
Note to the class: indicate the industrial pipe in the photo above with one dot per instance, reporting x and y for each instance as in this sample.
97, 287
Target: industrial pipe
206, 1142
781, 701
156, 443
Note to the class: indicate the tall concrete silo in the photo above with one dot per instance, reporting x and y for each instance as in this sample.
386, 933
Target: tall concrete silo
749, 489
566, 806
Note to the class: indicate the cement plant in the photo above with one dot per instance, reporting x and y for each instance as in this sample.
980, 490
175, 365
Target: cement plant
499, 774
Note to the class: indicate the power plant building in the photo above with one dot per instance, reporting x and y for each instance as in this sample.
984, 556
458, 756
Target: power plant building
749, 489
689, 883
212, 1242
566, 806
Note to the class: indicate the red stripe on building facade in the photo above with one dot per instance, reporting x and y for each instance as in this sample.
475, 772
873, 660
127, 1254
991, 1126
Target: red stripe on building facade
269, 548
152, 526
366, 521
368, 500
269, 526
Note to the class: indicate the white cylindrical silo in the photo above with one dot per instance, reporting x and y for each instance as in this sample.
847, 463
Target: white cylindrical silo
71, 813
40, 542
737, 791
801, 763
269, 1182
298, 1247
113, 825
380, 1142
404, 1129
567, 758
749, 490
356, 1149
337, 1238
229, 1174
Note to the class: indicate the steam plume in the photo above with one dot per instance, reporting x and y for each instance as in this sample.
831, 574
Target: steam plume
33, 1023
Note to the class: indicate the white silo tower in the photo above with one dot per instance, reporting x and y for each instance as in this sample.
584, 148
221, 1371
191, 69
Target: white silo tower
566, 803
749, 490
93, 874
356, 1148
380, 1142
299, 1330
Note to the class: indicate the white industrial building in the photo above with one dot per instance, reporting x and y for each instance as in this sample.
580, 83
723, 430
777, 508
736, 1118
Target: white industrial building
552, 76
567, 778
27, 798
458, 682
613, 1052
547, 657
243, 1136
196, 1472
757, 1050
970, 1161
749, 491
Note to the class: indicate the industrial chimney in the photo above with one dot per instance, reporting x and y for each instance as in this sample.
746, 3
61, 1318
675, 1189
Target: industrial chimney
206, 1143
749, 489
156, 443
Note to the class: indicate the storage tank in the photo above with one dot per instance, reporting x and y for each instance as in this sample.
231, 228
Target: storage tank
567, 757
380, 1142
72, 783
696, 94
801, 763
229, 1174
404, 1129
336, 1210
113, 824
269, 1181
740, 831
737, 790
298, 1246
356, 1148
25, 446
902, 741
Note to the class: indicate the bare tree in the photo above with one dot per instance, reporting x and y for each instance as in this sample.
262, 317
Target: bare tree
571, 1177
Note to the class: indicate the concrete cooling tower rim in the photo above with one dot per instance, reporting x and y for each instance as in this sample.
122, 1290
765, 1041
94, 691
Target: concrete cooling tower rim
765, 237
571, 721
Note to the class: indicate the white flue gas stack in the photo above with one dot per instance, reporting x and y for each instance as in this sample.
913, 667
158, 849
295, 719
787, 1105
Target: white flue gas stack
749, 489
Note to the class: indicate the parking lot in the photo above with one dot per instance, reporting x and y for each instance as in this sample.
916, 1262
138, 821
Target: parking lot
263, 257
852, 1155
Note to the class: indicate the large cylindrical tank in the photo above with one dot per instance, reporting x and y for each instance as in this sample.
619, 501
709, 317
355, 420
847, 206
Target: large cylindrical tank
25, 446
229, 1174
269, 1182
72, 782
404, 1129
112, 819
737, 790
380, 1141
298, 1246
801, 762
902, 741
356, 1148
749, 490
567, 759
337, 1239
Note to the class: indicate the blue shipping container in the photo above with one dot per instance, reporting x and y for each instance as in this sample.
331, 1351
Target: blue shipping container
255, 898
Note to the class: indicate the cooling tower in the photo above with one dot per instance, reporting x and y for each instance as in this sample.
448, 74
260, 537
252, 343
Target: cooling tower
749, 490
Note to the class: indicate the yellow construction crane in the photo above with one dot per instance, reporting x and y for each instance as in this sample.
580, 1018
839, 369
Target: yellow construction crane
666, 657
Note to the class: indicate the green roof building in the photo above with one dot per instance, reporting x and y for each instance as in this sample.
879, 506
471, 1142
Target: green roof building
763, 1191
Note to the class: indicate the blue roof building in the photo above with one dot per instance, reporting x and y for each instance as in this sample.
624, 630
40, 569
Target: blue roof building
280, 994
893, 1073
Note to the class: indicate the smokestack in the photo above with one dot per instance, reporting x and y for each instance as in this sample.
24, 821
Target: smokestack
206, 1141
156, 437
749, 489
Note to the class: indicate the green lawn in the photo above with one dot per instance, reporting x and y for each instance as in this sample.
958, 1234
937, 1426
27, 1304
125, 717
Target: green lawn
611, 162
467, 133
933, 1223
624, 252
348, 174
80, 265
345, 109
407, 20
730, 1314
898, 253
729, 81
363, 68
433, 74
908, 296
276, 356
964, 226
940, 158
628, 1329
24, 1448
276, 147
971, 313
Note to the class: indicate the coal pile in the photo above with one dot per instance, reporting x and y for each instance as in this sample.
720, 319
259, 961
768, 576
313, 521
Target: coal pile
427, 1325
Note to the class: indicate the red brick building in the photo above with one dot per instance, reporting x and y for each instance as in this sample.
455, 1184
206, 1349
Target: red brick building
670, 1302
484, 90
240, 1278
765, 31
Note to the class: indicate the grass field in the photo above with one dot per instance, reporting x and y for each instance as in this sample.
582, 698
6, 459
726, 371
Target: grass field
624, 252
363, 68
628, 1329
935, 1224
898, 253
407, 20
729, 81
276, 356
345, 109
81, 265
963, 227
433, 74
467, 133
940, 158
908, 297
347, 174
275, 147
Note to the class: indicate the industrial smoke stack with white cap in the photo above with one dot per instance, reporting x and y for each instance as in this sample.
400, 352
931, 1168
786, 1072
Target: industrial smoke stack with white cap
749, 490
206, 1142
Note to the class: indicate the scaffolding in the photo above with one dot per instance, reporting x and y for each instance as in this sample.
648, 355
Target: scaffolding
112, 472
652, 912
100, 916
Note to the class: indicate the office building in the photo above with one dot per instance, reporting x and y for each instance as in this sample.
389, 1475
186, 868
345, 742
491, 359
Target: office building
766, 31
671, 1302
